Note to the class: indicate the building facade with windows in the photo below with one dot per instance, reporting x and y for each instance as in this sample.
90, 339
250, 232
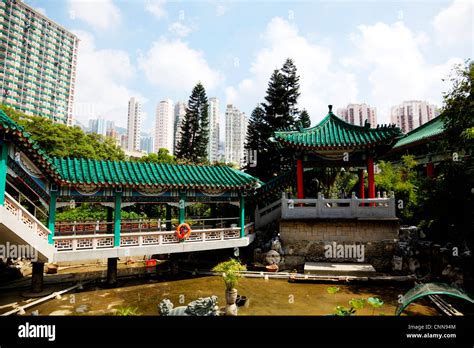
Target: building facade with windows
358, 114
236, 124
213, 145
412, 114
38, 59
179, 113
164, 126
134, 125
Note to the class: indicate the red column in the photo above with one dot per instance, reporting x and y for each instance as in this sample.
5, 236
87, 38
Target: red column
430, 170
299, 179
361, 184
370, 174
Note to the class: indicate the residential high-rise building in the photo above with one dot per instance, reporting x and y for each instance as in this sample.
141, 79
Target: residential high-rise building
37, 63
358, 114
147, 144
100, 126
179, 113
164, 125
134, 125
412, 114
213, 145
124, 141
236, 124
112, 133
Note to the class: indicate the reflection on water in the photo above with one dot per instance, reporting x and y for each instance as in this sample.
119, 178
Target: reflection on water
265, 297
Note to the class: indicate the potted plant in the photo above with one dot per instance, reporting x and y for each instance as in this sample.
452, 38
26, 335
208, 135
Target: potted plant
230, 272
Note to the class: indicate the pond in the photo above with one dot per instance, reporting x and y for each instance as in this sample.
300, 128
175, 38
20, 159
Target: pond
265, 297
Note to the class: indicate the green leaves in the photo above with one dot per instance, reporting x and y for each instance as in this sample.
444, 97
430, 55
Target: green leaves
358, 303
375, 302
344, 311
230, 272
59, 140
333, 290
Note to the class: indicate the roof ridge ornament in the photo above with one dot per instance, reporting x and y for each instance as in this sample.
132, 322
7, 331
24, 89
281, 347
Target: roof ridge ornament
330, 109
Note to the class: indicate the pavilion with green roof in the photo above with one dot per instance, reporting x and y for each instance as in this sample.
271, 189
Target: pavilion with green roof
336, 143
56, 182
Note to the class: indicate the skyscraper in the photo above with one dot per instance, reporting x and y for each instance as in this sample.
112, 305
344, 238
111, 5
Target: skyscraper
358, 113
179, 113
100, 126
37, 63
134, 125
412, 114
147, 144
236, 124
164, 126
213, 145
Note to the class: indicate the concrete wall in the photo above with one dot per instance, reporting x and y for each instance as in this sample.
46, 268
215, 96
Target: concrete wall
305, 241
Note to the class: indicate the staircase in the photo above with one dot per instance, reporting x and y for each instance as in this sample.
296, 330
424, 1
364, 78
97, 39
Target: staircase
20, 228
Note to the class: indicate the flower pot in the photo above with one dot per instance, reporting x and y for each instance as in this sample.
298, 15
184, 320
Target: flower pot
231, 296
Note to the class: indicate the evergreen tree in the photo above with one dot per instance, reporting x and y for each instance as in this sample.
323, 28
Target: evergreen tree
292, 88
256, 140
304, 120
275, 105
195, 128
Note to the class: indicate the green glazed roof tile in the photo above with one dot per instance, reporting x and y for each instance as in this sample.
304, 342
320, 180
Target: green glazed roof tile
333, 132
430, 129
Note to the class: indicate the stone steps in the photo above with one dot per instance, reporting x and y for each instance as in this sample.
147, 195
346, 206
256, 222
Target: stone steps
339, 269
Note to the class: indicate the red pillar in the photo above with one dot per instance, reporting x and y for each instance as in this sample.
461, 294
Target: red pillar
370, 174
430, 170
299, 179
361, 184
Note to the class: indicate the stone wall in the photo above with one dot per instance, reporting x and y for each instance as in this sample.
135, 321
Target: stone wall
305, 241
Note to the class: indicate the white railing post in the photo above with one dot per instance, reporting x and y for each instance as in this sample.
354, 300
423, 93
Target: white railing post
74, 244
94, 243
140, 240
203, 236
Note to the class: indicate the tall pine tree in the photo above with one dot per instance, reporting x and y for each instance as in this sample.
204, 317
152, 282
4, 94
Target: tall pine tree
304, 120
292, 88
195, 128
256, 141
280, 114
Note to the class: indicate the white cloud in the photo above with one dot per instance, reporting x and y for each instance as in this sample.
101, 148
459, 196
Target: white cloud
102, 76
321, 83
179, 29
455, 25
156, 7
390, 57
99, 14
174, 66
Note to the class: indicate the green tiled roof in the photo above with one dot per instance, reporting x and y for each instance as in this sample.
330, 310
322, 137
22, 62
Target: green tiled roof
72, 171
431, 129
80, 170
25, 141
335, 133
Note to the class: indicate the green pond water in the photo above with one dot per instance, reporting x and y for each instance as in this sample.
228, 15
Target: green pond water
265, 297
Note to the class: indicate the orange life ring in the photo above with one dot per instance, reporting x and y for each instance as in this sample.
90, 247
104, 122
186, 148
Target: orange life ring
183, 231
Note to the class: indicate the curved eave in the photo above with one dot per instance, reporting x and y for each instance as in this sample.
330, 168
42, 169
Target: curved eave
335, 148
416, 143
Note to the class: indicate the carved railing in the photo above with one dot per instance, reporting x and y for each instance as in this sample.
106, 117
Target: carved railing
267, 214
23, 215
347, 208
140, 239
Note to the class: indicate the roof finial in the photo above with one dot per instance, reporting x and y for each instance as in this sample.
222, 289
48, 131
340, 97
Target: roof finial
330, 109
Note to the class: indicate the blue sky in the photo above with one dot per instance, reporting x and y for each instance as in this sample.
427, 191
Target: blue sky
378, 52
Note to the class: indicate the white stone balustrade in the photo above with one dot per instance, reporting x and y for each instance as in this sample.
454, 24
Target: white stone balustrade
347, 208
